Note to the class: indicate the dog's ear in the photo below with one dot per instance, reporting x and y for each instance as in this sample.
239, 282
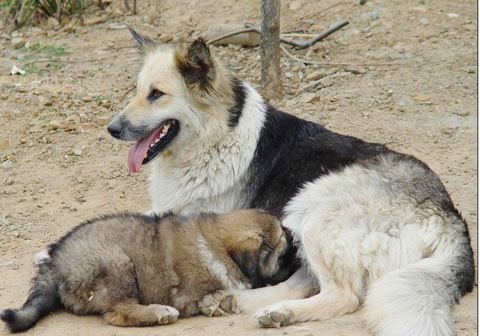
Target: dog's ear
196, 66
141, 41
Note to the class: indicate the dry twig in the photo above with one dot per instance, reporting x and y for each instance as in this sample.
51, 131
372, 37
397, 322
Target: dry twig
297, 44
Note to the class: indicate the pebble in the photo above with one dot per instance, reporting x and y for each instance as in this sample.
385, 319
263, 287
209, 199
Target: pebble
106, 103
355, 69
448, 130
5, 144
315, 75
424, 21
53, 125
77, 152
52, 23
461, 112
309, 97
21, 88
102, 120
18, 42
295, 5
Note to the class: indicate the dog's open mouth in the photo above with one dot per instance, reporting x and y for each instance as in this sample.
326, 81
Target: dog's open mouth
149, 147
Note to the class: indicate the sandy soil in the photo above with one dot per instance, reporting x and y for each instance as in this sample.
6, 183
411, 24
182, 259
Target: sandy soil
409, 82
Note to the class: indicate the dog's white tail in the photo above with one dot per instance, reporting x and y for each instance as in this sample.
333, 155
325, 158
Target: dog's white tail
416, 300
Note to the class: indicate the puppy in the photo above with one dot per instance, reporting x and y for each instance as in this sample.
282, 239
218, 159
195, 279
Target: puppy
138, 270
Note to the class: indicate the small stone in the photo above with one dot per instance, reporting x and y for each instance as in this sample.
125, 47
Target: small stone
315, 75
18, 42
309, 97
52, 23
448, 130
94, 21
87, 99
106, 103
77, 152
102, 121
355, 69
424, 21
5, 144
81, 199
151, 17
421, 98
53, 125
461, 112
70, 28
9, 181
295, 5
44, 101
21, 88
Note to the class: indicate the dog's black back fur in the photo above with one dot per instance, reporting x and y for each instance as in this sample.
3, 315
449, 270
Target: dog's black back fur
291, 152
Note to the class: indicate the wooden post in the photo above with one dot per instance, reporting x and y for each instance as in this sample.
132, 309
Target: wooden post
270, 49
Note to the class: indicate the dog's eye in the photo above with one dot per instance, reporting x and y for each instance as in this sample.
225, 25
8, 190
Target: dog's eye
154, 95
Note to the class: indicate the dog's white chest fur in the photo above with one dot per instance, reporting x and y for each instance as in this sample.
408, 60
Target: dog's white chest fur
210, 178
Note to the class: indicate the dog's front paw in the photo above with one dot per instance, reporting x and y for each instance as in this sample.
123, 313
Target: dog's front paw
274, 317
166, 314
219, 303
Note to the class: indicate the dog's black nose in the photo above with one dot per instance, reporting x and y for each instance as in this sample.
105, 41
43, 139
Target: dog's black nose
115, 129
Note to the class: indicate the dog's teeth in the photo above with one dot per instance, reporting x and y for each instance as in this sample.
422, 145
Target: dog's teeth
157, 140
151, 145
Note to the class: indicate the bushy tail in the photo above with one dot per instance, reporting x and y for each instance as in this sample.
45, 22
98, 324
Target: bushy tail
43, 299
416, 300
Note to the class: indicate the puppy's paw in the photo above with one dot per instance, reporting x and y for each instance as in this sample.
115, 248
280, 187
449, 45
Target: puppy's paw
274, 317
219, 303
166, 314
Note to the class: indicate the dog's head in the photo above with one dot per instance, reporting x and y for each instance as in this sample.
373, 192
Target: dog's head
182, 95
265, 256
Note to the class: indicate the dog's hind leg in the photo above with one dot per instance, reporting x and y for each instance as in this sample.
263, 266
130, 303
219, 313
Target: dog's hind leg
130, 313
298, 286
337, 296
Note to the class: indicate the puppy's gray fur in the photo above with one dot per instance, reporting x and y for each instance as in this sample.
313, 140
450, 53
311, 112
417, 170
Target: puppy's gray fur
137, 270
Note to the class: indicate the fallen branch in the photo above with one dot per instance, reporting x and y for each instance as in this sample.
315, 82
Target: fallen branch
233, 33
318, 38
297, 44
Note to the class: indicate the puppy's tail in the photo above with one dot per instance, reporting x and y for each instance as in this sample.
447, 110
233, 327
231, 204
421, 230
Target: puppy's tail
43, 299
416, 300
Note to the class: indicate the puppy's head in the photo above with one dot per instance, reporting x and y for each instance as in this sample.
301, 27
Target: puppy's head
264, 254
177, 101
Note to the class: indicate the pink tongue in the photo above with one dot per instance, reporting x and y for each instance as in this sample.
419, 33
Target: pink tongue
137, 152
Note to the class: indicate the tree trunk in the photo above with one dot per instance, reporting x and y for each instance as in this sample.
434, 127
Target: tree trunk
270, 49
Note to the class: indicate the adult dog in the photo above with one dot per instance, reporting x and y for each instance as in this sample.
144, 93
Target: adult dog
371, 225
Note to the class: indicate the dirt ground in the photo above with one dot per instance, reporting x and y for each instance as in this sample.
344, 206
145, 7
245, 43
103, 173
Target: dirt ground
402, 73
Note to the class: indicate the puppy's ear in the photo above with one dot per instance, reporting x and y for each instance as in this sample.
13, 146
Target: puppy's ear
247, 261
141, 41
196, 66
